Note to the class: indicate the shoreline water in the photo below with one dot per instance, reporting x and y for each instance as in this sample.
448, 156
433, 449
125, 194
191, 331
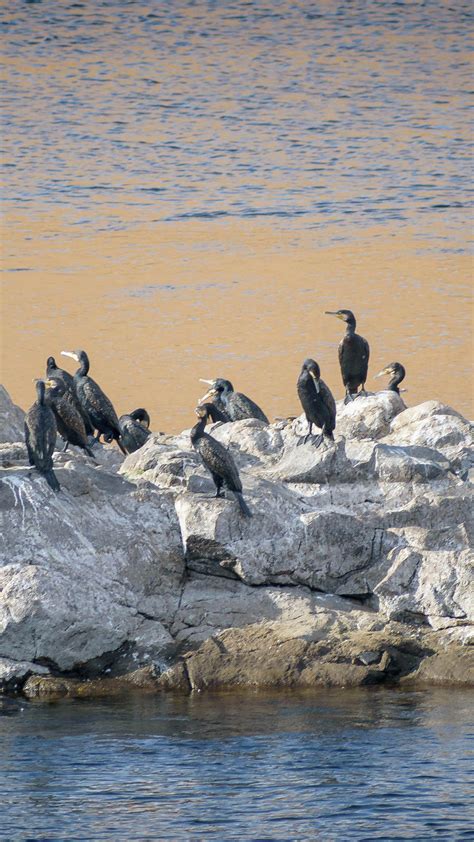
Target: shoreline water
367, 762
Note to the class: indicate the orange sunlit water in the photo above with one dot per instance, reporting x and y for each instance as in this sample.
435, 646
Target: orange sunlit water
190, 186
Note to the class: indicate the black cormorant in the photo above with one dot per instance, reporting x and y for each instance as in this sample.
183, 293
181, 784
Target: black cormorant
68, 419
134, 429
40, 436
317, 401
216, 415
53, 372
353, 355
217, 459
91, 397
236, 405
397, 372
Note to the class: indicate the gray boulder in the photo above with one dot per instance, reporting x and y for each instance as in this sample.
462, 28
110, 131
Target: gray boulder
432, 424
11, 419
368, 417
82, 570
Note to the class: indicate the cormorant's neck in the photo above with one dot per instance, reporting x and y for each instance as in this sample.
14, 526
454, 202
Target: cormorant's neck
198, 430
350, 327
215, 413
40, 393
140, 415
84, 365
224, 396
393, 386
395, 382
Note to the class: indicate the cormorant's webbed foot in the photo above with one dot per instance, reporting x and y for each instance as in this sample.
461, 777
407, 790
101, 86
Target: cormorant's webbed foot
218, 494
316, 440
362, 392
349, 397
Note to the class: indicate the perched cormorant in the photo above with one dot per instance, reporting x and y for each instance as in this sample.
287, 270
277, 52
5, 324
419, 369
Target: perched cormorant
397, 373
69, 420
217, 458
91, 397
236, 405
353, 355
40, 436
216, 415
134, 429
53, 372
317, 401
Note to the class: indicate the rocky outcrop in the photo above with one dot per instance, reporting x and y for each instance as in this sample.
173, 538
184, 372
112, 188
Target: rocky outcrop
86, 571
355, 567
12, 418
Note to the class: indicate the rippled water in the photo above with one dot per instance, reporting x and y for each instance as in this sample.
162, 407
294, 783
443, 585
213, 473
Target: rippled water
207, 109
330, 765
188, 185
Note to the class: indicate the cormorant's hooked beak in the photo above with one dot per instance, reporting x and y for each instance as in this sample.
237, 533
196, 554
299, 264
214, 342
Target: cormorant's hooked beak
334, 313
211, 393
70, 354
316, 382
385, 371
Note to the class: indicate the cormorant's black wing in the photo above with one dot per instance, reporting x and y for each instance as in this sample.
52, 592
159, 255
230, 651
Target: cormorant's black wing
28, 443
70, 422
244, 407
327, 397
219, 461
97, 403
133, 434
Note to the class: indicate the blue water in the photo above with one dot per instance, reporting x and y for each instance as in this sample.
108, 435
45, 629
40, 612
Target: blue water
319, 765
353, 112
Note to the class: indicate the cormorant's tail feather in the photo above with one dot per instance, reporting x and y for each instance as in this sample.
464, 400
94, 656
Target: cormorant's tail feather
117, 439
243, 505
52, 480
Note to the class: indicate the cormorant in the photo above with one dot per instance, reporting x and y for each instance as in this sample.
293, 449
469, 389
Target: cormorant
69, 421
397, 373
216, 415
317, 401
91, 397
53, 372
236, 405
217, 459
40, 436
134, 429
353, 355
